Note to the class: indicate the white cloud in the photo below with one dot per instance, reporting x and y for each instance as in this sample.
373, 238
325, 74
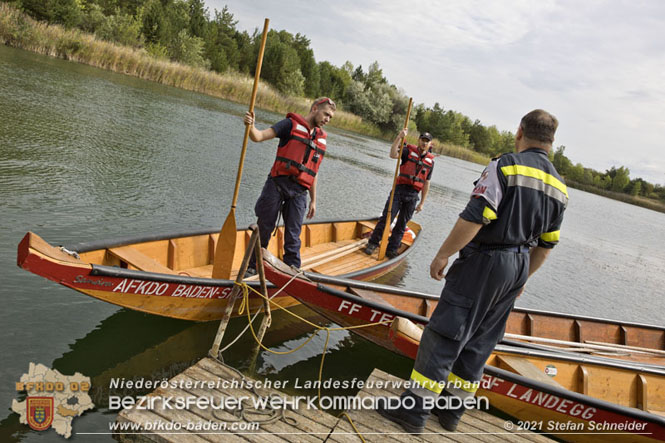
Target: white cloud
597, 64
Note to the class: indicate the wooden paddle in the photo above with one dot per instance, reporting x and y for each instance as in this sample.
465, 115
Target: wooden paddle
386, 229
226, 242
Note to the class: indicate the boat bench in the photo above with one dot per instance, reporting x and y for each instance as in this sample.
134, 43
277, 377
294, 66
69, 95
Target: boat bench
138, 260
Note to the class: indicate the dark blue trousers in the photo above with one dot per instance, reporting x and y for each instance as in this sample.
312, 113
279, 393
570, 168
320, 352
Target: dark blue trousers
404, 202
470, 317
280, 194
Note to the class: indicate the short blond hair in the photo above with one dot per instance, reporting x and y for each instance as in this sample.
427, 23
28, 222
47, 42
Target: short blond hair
324, 101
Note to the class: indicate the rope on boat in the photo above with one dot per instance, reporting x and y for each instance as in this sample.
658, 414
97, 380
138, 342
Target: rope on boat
256, 314
245, 304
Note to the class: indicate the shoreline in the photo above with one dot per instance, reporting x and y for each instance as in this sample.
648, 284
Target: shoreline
19, 31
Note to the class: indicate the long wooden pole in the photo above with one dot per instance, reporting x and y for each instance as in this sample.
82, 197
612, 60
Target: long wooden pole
389, 218
235, 292
226, 243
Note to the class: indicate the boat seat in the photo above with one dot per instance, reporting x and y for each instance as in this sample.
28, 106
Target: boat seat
368, 295
139, 260
524, 367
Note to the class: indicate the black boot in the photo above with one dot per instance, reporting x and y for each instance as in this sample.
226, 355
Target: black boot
449, 408
412, 420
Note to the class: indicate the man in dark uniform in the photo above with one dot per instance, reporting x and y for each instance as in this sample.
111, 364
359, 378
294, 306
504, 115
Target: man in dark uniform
503, 235
415, 173
300, 151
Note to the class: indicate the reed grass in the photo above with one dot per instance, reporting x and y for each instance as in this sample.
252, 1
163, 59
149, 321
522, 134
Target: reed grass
644, 202
20, 31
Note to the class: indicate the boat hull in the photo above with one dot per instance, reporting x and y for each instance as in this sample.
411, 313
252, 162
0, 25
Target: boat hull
546, 407
176, 294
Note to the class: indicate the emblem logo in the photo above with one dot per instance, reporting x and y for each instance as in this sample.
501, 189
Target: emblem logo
40, 412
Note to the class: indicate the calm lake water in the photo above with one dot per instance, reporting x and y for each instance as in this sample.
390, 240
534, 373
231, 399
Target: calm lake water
89, 155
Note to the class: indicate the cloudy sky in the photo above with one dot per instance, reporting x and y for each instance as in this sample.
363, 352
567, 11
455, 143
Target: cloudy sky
598, 65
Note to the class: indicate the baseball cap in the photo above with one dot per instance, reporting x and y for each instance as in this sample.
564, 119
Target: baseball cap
426, 135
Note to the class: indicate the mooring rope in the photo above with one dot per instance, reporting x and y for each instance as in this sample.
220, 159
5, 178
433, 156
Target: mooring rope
256, 314
245, 303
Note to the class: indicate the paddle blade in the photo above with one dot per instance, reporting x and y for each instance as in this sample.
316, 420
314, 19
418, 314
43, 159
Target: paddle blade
226, 246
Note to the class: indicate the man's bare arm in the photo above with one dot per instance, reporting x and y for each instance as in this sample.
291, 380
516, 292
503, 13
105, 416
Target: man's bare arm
538, 256
394, 148
462, 233
257, 135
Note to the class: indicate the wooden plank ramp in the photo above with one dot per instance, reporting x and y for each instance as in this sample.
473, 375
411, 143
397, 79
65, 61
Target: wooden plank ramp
203, 380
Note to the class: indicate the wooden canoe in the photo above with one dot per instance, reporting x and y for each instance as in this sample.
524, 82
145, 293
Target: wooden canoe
563, 390
171, 275
562, 394
347, 302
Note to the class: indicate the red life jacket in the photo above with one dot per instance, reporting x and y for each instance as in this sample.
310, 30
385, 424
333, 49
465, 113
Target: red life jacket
415, 170
302, 155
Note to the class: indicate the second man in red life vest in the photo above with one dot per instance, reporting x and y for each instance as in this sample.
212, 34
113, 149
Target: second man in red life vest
415, 173
302, 145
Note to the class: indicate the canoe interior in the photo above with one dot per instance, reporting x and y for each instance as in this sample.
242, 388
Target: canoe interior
631, 339
625, 387
641, 389
193, 255
585, 330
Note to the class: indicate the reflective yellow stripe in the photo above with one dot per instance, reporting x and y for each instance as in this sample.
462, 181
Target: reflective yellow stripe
489, 214
460, 383
551, 237
536, 173
426, 383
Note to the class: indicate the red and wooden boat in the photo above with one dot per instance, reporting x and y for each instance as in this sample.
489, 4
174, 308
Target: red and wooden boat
564, 390
562, 394
171, 275
347, 302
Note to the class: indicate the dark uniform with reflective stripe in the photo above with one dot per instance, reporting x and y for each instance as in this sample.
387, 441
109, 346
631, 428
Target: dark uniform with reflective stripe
520, 199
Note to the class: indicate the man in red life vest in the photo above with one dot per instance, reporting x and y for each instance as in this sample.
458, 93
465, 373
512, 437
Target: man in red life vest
415, 173
302, 145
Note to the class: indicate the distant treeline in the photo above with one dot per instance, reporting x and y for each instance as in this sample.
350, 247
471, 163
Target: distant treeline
609, 183
185, 31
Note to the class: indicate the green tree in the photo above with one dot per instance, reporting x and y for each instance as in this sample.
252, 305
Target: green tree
479, 137
281, 65
576, 173
188, 50
93, 18
153, 22
198, 18
308, 66
334, 81
620, 178
221, 44
66, 12
121, 28
635, 187
561, 162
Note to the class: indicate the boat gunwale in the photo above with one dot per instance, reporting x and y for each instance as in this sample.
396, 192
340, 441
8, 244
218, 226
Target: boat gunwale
574, 358
369, 303
367, 285
117, 272
572, 395
394, 290
144, 238
535, 351
340, 281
